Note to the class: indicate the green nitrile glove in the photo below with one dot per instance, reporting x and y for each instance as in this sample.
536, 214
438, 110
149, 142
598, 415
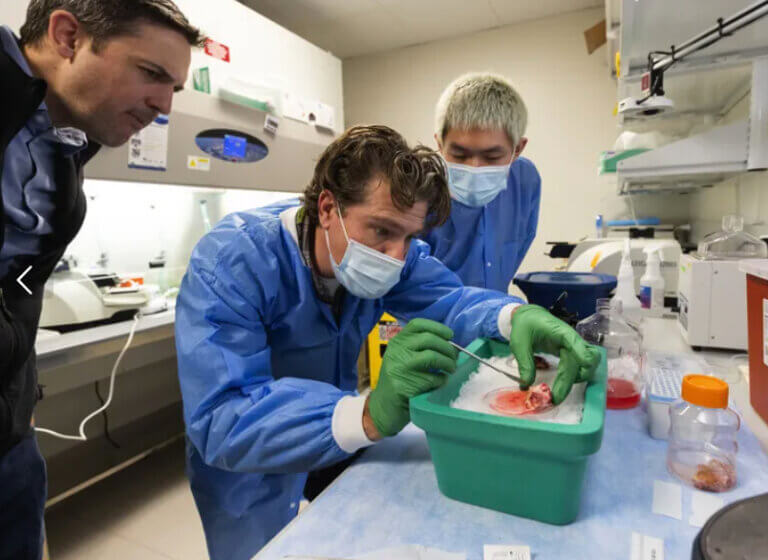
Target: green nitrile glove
534, 329
410, 368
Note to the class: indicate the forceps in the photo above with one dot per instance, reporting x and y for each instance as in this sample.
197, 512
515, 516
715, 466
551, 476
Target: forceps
512, 376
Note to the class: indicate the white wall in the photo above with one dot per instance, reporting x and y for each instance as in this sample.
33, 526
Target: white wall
13, 13
265, 53
570, 98
745, 195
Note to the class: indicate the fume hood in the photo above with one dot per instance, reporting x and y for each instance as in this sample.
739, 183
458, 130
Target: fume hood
281, 162
222, 138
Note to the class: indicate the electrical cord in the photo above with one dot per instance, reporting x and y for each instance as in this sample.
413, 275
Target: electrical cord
105, 416
82, 436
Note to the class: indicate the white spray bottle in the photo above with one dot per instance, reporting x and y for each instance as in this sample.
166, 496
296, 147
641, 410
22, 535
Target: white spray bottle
652, 285
625, 289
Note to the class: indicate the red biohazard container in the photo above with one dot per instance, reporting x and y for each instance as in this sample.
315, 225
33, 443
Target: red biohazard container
757, 332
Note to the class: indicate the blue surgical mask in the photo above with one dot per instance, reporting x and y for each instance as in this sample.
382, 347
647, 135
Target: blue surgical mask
476, 186
364, 272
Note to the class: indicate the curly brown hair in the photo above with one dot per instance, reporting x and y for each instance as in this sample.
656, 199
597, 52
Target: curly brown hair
363, 152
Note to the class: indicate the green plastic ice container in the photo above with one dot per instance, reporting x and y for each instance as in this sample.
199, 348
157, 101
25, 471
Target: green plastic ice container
526, 468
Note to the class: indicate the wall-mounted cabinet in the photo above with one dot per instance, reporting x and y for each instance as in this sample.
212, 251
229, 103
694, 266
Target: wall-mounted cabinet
704, 87
709, 158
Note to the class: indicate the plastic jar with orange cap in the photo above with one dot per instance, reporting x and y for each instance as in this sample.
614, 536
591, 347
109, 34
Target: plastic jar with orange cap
702, 437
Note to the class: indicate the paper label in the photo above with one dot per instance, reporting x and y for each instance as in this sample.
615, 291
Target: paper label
296, 108
199, 163
503, 552
389, 331
325, 116
646, 548
148, 148
667, 499
703, 506
765, 332
217, 50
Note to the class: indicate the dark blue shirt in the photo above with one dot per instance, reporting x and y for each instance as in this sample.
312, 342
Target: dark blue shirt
28, 184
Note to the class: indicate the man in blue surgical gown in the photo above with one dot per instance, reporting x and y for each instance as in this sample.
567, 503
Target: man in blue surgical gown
275, 306
479, 128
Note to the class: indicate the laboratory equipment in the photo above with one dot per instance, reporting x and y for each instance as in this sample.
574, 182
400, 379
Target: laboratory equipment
757, 333
626, 294
157, 275
712, 288
732, 243
652, 285
652, 105
497, 451
512, 376
623, 346
701, 450
664, 374
599, 226
603, 256
205, 215
736, 531
76, 299
583, 288
193, 146
652, 102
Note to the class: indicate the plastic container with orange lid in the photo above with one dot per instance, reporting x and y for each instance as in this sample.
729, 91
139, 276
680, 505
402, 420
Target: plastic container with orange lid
702, 437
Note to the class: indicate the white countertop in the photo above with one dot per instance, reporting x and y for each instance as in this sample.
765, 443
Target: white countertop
49, 344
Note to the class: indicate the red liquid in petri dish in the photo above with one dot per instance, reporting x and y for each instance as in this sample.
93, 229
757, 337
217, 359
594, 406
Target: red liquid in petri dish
511, 402
622, 394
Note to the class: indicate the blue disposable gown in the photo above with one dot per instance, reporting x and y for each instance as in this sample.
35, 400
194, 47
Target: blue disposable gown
486, 245
263, 362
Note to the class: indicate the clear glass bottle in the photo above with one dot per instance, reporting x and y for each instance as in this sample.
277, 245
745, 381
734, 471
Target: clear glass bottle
702, 447
732, 242
623, 345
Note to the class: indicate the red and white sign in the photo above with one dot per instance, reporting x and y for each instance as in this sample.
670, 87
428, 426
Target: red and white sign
217, 50
645, 83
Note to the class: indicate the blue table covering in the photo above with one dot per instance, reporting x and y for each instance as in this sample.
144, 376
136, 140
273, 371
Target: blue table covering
389, 497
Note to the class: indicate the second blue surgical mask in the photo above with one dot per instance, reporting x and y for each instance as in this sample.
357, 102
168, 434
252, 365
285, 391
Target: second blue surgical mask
476, 186
364, 272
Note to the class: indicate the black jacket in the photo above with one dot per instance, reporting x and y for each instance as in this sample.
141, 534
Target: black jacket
20, 96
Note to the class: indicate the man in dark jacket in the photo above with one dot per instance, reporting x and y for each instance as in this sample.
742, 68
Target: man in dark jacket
83, 73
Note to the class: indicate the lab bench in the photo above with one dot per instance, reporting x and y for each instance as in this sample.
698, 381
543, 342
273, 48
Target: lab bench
145, 414
68, 360
389, 497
